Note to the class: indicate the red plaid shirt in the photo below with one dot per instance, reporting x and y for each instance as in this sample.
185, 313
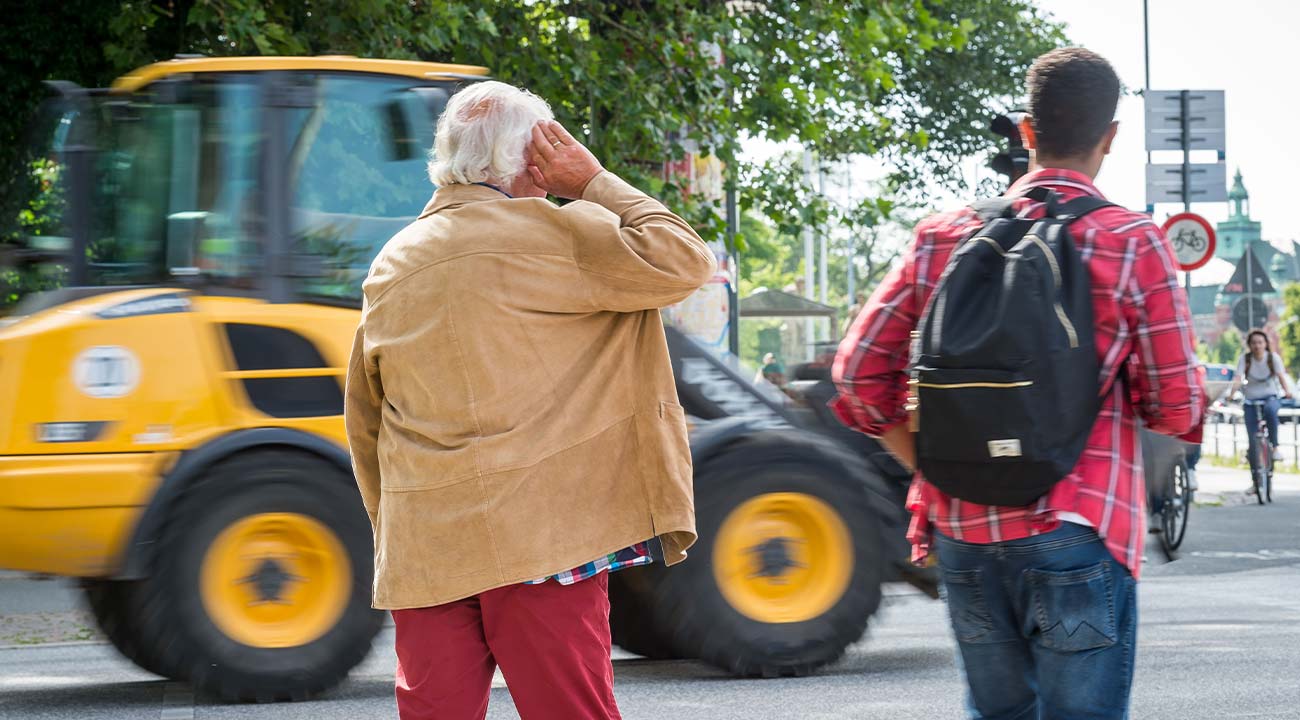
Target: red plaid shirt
1140, 314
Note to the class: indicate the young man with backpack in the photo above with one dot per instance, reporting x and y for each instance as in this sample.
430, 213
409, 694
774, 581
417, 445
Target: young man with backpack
1037, 333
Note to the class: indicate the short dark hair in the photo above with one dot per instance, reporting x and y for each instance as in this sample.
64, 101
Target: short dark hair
1073, 93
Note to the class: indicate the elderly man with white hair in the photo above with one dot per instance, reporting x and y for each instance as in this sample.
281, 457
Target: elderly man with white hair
512, 415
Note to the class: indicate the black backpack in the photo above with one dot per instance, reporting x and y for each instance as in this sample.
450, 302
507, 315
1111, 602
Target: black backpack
1005, 364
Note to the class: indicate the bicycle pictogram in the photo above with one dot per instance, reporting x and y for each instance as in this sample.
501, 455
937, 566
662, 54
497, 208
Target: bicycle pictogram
1188, 238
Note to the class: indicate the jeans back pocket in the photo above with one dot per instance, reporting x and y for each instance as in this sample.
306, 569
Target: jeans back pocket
966, 605
1072, 610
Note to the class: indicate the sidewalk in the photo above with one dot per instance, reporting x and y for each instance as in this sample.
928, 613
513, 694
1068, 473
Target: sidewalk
1229, 486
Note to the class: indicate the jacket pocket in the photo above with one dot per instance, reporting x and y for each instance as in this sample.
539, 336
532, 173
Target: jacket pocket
409, 462
1073, 610
664, 465
428, 539
977, 415
673, 440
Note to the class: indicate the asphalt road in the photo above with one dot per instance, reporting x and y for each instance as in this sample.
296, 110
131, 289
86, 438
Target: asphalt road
1219, 638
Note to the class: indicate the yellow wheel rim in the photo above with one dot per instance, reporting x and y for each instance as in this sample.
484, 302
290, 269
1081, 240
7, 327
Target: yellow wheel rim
275, 580
783, 558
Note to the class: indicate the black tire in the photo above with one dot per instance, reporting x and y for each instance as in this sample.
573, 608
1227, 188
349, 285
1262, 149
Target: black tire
690, 605
115, 605
1263, 468
178, 628
1174, 512
1268, 481
631, 622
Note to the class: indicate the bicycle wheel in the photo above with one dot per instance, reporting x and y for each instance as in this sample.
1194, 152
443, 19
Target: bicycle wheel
1263, 465
1175, 512
1268, 480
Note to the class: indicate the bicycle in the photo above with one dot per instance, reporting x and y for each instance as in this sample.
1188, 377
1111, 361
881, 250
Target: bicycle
1169, 491
1261, 455
1174, 511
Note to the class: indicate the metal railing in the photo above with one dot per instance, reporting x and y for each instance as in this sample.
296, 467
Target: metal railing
1229, 438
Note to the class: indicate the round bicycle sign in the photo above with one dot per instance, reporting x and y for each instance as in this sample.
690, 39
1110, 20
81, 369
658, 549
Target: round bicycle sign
1192, 238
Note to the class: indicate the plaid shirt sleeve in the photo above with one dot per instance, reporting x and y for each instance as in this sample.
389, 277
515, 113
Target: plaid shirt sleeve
870, 369
1166, 380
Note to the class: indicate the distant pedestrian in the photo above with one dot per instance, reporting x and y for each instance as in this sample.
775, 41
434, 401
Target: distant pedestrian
512, 415
1041, 591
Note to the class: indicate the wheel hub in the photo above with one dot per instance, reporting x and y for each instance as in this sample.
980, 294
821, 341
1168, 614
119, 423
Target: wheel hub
774, 559
269, 581
275, 580
783, 557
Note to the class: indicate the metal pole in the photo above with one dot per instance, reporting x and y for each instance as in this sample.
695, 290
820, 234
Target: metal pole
809, 260
1187, 163
733, 301
852, 259
824, 232
1250, 288
1146, 44
1187, 152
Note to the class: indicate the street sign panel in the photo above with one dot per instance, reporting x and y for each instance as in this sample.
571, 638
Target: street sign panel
1249, 313
1192, 238
1164, 120
1208, 182
1249, 278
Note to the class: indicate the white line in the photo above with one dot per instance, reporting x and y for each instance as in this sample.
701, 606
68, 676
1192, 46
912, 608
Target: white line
38, 646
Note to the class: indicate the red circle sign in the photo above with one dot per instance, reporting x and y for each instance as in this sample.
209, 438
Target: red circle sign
1192, 239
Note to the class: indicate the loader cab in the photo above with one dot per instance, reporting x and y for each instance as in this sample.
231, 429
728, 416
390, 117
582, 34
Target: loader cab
278, 184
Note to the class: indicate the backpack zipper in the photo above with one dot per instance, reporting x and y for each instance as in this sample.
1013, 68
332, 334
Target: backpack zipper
1056, 284
955, 386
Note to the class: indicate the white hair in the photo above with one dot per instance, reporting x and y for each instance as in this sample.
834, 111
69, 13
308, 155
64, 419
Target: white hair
483, 132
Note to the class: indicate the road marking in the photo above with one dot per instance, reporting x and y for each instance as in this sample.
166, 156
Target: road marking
178, 701
1259, 555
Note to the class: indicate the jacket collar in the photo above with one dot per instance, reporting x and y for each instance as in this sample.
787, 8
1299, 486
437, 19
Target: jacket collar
1054, 177
457, 194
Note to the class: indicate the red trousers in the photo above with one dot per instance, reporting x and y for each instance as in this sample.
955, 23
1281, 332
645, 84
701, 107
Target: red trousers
551, 641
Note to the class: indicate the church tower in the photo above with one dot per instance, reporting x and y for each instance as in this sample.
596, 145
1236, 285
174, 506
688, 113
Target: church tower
1235, 233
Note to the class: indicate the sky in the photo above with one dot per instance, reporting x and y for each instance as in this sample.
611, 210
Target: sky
1247, 48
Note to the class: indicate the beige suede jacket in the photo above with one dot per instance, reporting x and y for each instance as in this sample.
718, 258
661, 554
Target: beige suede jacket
510, 405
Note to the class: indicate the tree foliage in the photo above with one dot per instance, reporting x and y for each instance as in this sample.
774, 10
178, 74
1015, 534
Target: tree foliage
1289, 332
910, 82
1225, 351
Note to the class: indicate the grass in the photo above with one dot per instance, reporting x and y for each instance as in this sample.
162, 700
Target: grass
1241, 464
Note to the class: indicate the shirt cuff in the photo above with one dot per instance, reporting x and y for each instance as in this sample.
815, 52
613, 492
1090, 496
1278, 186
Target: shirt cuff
865, 419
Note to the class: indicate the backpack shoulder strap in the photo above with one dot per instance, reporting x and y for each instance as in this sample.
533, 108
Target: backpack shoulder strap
1080, 206
991, 209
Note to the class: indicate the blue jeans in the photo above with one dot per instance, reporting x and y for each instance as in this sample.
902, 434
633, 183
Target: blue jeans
1046, 626
1271, 406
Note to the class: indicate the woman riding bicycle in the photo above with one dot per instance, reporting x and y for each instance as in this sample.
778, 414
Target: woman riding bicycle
1262, 378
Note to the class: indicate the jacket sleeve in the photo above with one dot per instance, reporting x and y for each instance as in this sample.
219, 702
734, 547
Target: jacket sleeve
870, 369
633, 253
1168, 380
362, 404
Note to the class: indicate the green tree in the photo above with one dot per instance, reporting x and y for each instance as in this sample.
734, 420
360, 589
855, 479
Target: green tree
910, 82
1289, 332
1228, 349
